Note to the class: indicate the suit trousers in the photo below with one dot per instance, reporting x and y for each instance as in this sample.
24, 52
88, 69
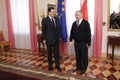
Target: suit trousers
81, 52
55, 48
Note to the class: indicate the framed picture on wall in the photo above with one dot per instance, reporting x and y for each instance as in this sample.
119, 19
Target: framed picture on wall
50, 5
113, 15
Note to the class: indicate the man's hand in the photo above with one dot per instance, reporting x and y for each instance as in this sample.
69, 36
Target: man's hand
44, 41
87, 46
71, 43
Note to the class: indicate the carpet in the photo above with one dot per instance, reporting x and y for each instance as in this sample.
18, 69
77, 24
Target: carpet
18, 72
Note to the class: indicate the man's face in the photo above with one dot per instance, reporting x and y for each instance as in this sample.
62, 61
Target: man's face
78, 15
52, 12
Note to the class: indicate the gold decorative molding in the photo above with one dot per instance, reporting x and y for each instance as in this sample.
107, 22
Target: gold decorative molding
108, 14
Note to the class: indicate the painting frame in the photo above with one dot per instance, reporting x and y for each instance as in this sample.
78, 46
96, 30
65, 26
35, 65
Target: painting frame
109, 23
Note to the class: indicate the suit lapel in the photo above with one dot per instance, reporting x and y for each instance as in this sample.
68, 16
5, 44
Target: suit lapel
80, 23
49, 19
50, 22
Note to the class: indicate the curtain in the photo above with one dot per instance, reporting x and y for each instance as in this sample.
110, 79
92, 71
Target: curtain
70, 13
20, 22
33, 35
70, 18
98, 28
9, 20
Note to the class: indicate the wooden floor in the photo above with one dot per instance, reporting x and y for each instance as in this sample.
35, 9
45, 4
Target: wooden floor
100, 68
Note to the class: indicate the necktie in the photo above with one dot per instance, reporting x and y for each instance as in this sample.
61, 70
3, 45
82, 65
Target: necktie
78, 23
53, 22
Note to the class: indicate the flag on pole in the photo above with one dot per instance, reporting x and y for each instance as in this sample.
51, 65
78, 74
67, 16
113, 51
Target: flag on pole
84, 9
62, 17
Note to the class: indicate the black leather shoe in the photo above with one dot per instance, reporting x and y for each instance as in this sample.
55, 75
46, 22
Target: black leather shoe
50, 69
59, 69
82, 71
75, 70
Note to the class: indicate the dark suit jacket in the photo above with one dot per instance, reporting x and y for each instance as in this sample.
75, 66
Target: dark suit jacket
50, 32
81, 33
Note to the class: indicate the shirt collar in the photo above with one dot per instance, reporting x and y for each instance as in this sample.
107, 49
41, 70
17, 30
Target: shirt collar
50, 17
80, 21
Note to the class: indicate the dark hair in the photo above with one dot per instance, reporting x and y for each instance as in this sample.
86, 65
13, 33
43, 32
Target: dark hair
50, 8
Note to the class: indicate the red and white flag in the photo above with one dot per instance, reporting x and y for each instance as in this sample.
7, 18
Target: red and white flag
84, 9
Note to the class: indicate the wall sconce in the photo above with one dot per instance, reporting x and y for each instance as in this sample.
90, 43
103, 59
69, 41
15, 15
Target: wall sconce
42, 15
103, 23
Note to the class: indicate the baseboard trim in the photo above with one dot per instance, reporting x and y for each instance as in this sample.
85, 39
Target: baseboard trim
105, 55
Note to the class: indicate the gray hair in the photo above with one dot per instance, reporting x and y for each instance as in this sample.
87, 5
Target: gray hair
78, 11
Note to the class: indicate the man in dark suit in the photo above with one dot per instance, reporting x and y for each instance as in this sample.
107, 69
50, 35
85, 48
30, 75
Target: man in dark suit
51, 36
81, 34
